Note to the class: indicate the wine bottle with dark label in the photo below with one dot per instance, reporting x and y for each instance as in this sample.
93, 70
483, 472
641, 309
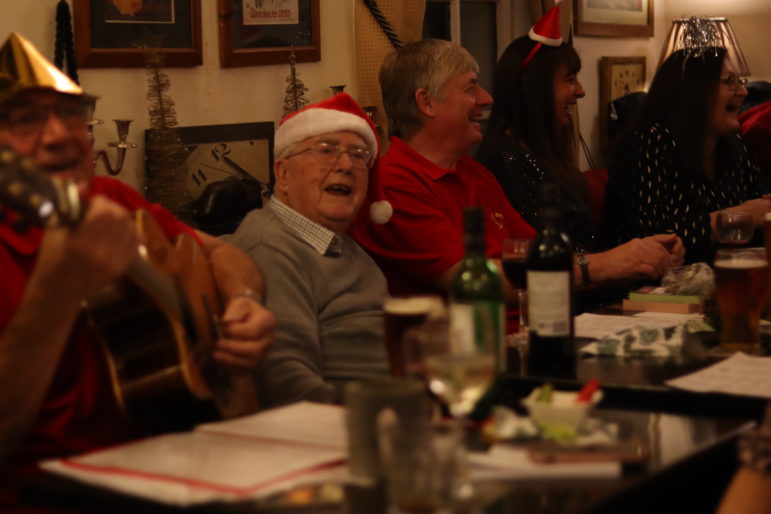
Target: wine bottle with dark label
550, 292
476, 294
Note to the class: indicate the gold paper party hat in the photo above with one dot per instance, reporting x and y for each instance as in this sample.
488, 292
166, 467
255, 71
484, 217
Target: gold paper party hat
22, 67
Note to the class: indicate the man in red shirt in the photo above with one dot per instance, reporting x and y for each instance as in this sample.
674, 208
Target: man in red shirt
55, 392
434, 105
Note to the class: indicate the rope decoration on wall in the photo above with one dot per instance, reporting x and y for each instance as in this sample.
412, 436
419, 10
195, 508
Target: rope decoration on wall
384, 23
65, 47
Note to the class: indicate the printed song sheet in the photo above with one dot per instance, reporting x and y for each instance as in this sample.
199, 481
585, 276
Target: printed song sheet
740, 374
248, 457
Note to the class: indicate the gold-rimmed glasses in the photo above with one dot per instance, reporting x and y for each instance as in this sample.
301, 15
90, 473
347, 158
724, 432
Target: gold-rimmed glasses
734, 82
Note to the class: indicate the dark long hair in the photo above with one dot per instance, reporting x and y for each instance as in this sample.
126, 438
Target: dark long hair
680, 98
523, 108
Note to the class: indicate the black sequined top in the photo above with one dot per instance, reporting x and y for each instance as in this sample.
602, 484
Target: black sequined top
520, 175
648, 194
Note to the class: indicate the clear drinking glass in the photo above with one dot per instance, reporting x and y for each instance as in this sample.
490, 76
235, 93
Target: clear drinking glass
422, 462
734, 228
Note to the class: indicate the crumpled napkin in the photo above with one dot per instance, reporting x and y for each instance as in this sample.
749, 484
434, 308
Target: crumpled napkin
640, 342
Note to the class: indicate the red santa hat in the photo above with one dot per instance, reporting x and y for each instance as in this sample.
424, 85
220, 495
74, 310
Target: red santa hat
340, 112
545, 32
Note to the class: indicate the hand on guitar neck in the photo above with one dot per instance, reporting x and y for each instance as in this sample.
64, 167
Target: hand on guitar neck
75, 262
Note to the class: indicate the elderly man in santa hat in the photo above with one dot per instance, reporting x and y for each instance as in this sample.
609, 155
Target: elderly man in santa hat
326, 291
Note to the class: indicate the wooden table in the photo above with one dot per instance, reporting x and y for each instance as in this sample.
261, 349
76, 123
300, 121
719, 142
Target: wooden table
692, 459
639, 383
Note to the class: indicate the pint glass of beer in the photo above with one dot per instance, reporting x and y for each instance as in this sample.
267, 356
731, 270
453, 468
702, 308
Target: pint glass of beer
767, 239
401, 313
741, 284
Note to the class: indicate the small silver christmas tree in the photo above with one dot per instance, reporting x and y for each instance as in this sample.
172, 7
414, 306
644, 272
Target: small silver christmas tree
294, 100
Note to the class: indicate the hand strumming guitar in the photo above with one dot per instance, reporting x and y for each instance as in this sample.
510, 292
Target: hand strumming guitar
248, 327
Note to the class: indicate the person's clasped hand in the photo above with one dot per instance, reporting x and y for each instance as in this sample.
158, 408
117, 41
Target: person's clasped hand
649, 257
249, 330
674, 246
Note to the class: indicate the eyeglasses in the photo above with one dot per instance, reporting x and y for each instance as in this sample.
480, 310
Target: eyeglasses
733, 82
29, 119
327, 154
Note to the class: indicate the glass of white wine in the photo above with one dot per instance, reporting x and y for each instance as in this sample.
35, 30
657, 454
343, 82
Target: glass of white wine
456, 369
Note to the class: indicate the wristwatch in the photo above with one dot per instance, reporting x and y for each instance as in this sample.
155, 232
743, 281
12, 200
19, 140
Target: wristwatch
583, 262
755, 450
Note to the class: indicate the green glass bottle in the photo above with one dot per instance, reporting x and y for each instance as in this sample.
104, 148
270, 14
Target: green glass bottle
476, 295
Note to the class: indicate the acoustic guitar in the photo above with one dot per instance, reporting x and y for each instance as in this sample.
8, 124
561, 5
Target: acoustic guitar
158, 323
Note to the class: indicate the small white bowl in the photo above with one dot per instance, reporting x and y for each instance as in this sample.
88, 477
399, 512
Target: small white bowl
562, 413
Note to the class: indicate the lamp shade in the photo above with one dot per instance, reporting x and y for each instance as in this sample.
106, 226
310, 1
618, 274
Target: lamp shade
710, 32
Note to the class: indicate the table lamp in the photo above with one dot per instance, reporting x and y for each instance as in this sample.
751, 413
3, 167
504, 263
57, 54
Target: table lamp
687, 32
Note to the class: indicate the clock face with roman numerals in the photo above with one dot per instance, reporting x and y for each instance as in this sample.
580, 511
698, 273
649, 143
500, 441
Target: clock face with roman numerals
214, 153
212, 162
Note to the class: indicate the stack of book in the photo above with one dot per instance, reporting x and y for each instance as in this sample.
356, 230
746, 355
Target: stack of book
656, 299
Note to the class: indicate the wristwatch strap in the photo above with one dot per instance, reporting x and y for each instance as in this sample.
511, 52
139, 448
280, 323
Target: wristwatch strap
583, 263
755, 450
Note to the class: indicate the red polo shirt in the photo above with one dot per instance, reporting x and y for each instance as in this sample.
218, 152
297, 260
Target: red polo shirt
79, 412
424, 237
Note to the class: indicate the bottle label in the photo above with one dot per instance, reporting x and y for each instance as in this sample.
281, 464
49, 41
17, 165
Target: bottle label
548, 302
477, 325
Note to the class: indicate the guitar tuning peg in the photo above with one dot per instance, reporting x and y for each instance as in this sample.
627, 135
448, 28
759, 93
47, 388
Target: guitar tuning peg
6, 155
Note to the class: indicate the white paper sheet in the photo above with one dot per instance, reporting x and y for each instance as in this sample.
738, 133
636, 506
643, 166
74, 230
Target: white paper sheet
596, 326
232, 460
739, 374
303, 422
259, 455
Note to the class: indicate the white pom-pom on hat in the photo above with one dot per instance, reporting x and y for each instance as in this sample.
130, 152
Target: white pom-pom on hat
381, 211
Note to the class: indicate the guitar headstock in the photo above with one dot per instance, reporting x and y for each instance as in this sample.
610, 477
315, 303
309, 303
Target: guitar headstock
33, 196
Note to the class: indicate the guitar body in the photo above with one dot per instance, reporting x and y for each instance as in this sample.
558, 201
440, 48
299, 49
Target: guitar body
159, 325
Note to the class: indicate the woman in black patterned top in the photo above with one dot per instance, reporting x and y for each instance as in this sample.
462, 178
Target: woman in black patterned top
529, 141
684, 161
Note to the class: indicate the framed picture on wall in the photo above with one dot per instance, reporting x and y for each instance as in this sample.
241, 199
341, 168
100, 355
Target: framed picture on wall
254, 32
619, 77
614, 18
110, 33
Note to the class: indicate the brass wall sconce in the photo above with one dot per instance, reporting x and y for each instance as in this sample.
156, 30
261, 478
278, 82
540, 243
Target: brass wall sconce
123, 128
121, 144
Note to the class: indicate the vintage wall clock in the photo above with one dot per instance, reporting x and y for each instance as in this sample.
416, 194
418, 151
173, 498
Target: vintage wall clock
216, 153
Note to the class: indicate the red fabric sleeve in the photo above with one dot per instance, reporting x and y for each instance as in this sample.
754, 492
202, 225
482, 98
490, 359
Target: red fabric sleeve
132, 200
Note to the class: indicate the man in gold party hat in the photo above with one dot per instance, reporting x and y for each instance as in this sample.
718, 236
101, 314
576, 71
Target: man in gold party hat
55, 384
